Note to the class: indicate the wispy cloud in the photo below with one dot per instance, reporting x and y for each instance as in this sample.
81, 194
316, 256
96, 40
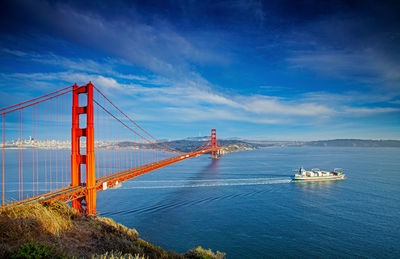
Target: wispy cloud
158, 47
194, 100
364, 111
268, 105
350, 44
363, 66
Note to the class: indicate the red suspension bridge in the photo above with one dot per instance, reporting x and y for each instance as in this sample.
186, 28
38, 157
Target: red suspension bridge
45, 159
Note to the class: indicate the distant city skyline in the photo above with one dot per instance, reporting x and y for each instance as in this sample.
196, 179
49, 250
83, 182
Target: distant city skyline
269, 70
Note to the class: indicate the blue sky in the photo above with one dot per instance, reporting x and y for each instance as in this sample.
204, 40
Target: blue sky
276, 70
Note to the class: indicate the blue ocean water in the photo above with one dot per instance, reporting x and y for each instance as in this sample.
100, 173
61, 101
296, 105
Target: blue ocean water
245, 205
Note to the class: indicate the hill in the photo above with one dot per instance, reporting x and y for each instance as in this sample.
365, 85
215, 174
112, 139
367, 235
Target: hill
228, 146
354, 143
55, 230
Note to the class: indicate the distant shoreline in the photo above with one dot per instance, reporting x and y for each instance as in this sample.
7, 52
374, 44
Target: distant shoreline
228, 146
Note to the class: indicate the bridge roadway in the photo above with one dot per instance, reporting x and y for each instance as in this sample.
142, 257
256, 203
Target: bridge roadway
74, 192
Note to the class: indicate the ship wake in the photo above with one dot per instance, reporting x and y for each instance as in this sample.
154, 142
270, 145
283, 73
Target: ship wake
163, 184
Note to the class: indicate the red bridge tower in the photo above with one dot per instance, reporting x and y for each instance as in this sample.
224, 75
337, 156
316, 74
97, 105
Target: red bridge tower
86, 204
214, 144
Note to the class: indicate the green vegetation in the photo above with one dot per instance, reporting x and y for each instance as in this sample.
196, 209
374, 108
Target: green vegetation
201, 253
55, 230
33, 251
117, 255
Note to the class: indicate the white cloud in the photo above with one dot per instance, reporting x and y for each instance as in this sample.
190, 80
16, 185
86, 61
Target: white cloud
78, 64
199, 102
13, 52
268, 105
194, 99
365, 111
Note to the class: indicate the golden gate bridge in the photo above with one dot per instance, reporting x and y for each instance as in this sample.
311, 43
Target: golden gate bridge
69, 157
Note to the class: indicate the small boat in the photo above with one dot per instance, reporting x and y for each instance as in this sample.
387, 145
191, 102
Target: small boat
316, 174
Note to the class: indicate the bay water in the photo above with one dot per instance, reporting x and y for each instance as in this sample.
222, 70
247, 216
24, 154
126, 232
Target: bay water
244, 204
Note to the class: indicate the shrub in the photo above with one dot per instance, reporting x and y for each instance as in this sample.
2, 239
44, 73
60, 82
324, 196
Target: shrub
36, 251
151, 250
201, 253
117, 255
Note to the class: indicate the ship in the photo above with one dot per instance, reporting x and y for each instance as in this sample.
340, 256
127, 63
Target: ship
316, 174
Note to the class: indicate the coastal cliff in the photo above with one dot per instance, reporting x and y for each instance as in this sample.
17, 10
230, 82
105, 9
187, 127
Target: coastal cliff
55, 230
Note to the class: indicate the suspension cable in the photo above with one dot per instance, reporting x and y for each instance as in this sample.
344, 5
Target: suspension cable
136, 123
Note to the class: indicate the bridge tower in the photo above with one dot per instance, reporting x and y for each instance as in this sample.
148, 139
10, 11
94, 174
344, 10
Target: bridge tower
214, 143
86, 204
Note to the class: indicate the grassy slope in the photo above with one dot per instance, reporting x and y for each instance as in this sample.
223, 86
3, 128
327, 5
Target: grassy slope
67, 233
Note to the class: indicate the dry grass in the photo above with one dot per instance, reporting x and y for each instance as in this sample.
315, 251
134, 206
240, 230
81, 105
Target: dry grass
58, 226
117, 255
22, 224
200, 252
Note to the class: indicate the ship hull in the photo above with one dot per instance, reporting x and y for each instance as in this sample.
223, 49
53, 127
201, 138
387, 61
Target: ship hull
318, 178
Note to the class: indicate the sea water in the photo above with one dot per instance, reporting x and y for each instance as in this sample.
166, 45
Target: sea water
245, 204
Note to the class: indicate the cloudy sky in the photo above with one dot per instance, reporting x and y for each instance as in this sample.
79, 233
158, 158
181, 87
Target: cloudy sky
293, 70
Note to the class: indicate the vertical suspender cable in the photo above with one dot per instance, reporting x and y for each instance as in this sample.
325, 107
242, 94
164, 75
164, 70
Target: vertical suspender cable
33, 150
134, 145
115, 151
4, 147
109, 151
51, 173
37, 152
19, 155
97, 155
62, 148
143, 153
104, 150
46, 145
131, 150
56, 143
120, 156
66, 138
22, 154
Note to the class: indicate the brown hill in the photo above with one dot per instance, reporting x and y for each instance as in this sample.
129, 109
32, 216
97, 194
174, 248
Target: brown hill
55, 230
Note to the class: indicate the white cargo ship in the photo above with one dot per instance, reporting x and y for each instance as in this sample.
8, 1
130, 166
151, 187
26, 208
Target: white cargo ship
316, 174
